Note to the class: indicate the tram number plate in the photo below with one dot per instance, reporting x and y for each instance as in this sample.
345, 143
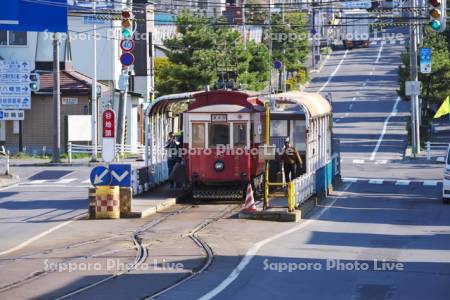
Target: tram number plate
218, 118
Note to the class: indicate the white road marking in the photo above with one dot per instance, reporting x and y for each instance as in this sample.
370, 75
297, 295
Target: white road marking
383, 132
430, 182
402, 182
381, 162
334, 72
376, 181
354, 98
256, 247
440, 159
358, 161
350, 106
86, 181
371, 73
379, 53
41, 235
353, 180
67, 180
346, 114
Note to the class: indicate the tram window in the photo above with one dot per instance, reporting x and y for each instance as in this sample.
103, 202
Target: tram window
198, 135
240, 135
279, 128
219, 135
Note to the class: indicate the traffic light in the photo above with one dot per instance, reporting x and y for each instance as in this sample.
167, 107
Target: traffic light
35, 82
127, 25
438, 14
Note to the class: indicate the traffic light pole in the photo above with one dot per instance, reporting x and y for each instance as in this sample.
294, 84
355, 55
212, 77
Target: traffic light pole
56, 101
94, 114
121, 118
415, 111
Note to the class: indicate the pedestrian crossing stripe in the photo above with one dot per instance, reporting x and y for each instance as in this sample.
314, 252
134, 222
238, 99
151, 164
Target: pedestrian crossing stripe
402, 182
56, 182
376, 181
399, 182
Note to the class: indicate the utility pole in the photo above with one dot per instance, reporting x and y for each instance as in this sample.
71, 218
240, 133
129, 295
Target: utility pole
56, 101
244, 29
415, 111
94, 95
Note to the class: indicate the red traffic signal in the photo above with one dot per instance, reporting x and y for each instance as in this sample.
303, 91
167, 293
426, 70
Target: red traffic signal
126, 14
435, 3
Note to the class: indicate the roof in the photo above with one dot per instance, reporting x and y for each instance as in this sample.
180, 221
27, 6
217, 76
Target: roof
221, 108
72, 83
314, 103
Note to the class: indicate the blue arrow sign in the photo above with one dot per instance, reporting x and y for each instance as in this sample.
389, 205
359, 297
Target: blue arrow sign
120, 175
100, 175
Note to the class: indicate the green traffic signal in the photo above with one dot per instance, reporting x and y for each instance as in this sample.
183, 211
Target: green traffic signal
126, 33
436, 25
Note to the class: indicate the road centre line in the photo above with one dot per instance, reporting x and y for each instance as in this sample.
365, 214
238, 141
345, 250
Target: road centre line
333, 73
383, 132
256, 247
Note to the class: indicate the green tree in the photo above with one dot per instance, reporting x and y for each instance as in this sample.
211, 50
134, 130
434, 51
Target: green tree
203, 50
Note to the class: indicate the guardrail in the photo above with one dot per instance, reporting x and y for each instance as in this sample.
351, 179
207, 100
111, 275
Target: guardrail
87, 149
440, 147
301, 189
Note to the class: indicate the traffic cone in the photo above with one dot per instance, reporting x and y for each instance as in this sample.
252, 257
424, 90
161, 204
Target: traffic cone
249, 204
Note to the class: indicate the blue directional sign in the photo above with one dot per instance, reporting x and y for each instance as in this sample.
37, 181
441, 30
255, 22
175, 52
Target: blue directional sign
120, 175
26, 15
425, 60
100, 175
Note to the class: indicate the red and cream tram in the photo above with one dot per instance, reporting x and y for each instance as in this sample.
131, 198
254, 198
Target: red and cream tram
222, 132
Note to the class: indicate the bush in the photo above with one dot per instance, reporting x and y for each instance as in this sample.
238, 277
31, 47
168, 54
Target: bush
300, 77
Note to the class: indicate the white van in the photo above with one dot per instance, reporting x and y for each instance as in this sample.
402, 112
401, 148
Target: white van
446, 181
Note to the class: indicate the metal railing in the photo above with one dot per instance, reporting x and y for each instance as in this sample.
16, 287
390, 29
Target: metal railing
301, 189
87, 149
440, 149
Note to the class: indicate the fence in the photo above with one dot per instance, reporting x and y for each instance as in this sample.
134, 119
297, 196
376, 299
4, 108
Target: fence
4, 160
440, 149
87, 149
301, 189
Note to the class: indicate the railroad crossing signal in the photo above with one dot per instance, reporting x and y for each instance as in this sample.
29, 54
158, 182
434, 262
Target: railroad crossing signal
438, 14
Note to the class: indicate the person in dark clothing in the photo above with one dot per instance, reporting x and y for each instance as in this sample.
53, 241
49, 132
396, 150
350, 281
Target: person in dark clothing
172, 146
291, 160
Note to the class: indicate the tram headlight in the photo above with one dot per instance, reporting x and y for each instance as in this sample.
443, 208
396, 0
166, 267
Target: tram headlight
219, 166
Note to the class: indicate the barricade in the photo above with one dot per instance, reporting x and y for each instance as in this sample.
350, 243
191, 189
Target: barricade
107, 200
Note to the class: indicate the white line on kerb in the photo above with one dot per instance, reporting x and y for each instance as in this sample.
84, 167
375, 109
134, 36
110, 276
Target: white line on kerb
393, 113
256, 247
379, 54
334, 72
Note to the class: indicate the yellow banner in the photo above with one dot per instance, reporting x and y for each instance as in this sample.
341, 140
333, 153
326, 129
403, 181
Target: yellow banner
444, 109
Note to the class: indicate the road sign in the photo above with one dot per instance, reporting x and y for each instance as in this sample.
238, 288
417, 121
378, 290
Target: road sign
100, 175
127, 59
412, 88
26, 15
277, 64
12, 115
425, 60
127, 45
120, 175
15, 92
109, 140
93, 20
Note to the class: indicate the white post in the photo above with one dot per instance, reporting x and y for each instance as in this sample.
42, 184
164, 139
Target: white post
428, 150
69, 152
94, 94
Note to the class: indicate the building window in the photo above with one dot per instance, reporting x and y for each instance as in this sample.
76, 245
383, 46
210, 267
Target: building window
13, 38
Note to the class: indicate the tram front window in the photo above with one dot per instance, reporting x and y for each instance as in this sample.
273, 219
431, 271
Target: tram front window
219, 135
240, 135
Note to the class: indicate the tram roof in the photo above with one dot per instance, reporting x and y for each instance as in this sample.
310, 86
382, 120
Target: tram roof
314, 103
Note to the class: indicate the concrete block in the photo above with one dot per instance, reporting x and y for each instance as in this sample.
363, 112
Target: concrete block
271, 215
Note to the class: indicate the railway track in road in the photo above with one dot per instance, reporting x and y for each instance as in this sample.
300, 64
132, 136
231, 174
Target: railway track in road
142, 253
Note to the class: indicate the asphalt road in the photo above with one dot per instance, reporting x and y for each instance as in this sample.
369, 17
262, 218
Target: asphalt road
385, 232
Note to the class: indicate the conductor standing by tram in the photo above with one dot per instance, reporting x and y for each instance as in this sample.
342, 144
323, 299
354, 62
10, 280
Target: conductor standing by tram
172, 146
291, 160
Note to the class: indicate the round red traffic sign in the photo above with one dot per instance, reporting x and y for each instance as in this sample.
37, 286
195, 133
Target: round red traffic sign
127, 59
127, 45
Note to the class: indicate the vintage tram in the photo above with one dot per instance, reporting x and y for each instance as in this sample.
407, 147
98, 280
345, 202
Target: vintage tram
223, 131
